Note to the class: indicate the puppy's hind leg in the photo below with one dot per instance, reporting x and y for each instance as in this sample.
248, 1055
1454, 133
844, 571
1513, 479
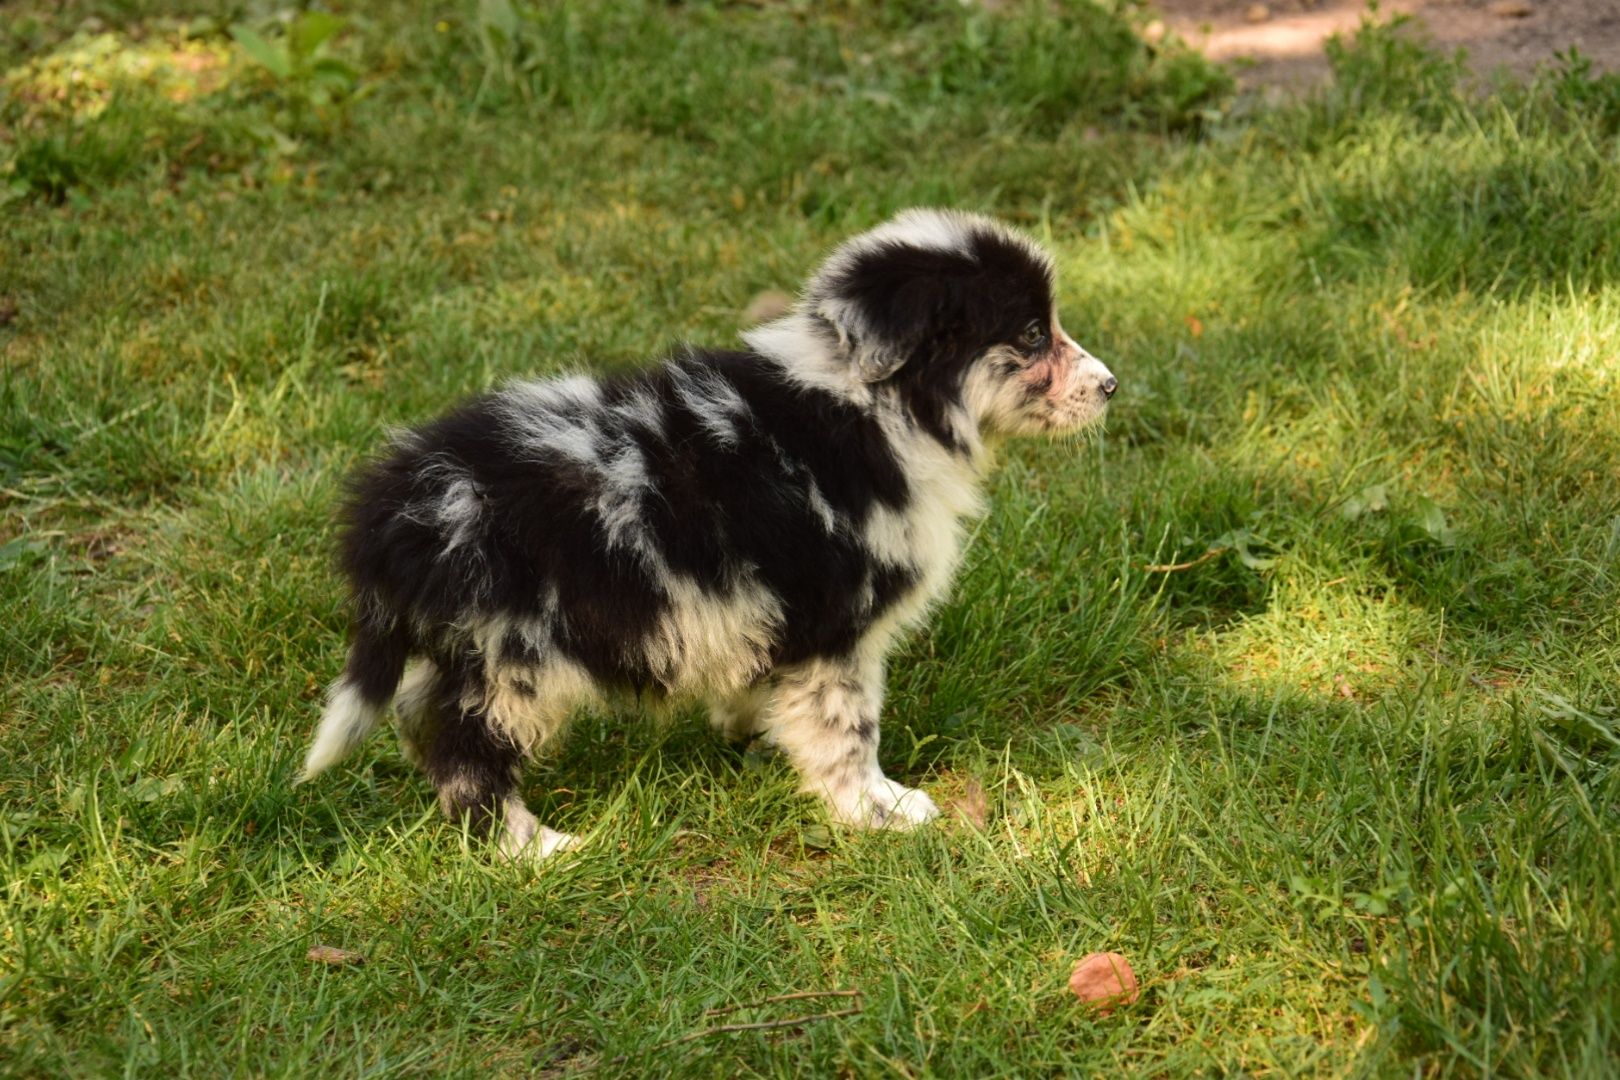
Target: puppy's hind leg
415, 709
475, 766
824, 716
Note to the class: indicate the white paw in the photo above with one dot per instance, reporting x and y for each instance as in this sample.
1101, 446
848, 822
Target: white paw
523, 837
881, 803
542, 845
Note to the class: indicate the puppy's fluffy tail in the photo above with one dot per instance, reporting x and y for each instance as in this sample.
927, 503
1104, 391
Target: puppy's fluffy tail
358, 699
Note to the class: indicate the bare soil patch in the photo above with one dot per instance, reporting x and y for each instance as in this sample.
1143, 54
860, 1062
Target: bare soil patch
1278, 43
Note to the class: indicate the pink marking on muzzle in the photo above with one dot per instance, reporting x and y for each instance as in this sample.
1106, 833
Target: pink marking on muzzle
1056, 369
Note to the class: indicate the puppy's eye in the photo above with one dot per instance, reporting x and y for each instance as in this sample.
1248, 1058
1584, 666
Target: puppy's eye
1033, 335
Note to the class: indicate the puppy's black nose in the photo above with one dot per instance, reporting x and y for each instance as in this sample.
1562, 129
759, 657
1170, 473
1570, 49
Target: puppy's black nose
1109, 385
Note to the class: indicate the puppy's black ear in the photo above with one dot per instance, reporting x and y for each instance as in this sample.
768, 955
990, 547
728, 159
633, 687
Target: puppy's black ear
873, 356
886, 305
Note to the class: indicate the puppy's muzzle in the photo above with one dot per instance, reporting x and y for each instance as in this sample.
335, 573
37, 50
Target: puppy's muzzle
1109, 385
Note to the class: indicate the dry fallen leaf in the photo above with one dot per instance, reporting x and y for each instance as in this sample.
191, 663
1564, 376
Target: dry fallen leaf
1257, 13
1511, 9
331, 954
817, 838
972, 806
768, 305
1105, 980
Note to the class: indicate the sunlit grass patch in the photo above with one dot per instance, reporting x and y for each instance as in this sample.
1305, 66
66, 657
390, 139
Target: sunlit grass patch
81, 78
1328, 642
100, 105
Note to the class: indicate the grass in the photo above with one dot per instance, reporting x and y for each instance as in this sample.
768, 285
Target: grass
1345, 791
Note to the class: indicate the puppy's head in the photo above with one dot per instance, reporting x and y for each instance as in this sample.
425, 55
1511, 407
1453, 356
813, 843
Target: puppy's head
955, 311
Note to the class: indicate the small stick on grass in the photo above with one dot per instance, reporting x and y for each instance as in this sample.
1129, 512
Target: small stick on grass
800, 996
1170, 568
761, 1025
1443, 661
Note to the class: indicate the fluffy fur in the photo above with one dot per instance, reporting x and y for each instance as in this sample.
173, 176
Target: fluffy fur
751, 528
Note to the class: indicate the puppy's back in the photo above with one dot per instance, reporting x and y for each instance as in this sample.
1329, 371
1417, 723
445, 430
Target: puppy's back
701, 515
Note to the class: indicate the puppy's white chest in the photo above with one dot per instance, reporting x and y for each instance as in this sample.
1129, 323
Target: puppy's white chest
926, 538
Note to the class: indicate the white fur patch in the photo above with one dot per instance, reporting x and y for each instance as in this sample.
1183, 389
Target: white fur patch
995, 396
928, 535
713, 643
529, 704
458, 511
923, 227
624, 484
532, 706
348, 719
809, 357
554, 417
455, 507
551, 395
830, 518
737, 716
641, 408
713, 401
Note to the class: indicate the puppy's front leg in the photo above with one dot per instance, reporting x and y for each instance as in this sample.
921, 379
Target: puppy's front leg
824, 716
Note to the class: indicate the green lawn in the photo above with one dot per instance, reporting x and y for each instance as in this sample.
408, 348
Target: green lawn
1344, 791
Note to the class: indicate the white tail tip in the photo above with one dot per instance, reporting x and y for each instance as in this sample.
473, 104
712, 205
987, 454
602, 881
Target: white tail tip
348, 719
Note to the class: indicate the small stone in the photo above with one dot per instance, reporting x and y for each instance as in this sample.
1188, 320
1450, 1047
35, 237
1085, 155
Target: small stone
768, 305
1104, 980
1512, 9
1257, 13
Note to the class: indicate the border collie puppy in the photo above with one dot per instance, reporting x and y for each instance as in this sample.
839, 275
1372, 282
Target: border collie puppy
753, 529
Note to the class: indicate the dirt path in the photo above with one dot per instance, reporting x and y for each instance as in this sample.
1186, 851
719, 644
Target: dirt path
1283, 38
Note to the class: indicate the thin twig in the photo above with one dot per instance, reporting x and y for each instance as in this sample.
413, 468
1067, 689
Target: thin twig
1443, 661
1170, 568
800, 996
763, 1025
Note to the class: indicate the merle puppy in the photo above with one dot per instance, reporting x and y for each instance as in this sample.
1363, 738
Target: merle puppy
751, 528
